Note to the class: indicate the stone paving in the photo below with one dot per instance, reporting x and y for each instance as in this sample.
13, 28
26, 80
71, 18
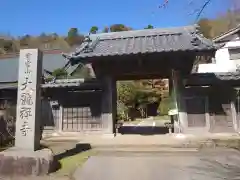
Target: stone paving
218, 164
149, 143
208, 164
37, 178
131, 152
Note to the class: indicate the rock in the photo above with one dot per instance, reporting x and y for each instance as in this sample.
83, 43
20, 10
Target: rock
18, 162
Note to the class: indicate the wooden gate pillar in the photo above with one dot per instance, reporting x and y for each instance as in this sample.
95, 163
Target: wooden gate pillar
178, 90
109, 104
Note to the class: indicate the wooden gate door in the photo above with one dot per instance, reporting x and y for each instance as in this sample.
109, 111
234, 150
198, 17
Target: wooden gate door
196, 114
223, 122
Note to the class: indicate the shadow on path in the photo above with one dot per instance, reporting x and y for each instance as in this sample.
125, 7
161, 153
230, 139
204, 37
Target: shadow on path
71, 152
143, 130
67, 153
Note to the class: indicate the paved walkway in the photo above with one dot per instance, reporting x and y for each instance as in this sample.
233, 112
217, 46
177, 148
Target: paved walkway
174, 140
36, 178
204, 165
127, 150
134, 142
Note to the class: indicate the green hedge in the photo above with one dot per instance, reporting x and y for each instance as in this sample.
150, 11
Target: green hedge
165, 105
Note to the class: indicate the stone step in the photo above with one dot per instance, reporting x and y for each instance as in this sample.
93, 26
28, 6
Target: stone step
161, 152
150, 150
196, 144
133, 153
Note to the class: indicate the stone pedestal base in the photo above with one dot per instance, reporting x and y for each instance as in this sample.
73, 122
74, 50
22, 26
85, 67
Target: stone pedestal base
18, 162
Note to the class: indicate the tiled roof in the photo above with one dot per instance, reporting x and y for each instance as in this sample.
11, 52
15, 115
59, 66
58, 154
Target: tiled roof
15, 55
8, 85
211, 77
228, 76
9, 66
144, 41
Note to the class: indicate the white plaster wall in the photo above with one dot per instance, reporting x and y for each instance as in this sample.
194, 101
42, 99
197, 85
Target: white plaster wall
206, 68
222, 60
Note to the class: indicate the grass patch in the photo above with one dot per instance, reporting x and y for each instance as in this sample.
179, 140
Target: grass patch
163, 117
69, 164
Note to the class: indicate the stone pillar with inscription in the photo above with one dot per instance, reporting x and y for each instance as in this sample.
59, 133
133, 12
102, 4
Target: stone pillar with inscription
29, 102
26, 158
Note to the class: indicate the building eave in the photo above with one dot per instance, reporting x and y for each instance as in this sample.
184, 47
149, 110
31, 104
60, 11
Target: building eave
59, 83
226, 34
200, 79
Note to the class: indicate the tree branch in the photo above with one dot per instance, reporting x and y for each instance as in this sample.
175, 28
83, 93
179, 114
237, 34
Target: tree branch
197, 11
164, 4
202, 8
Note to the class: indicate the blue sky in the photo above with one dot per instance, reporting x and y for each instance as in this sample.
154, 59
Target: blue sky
20, 17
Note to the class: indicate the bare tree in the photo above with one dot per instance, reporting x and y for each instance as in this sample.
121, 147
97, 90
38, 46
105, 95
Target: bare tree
234, 14
198, 6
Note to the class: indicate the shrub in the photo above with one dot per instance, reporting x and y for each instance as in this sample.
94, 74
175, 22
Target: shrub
165, 105
122, 111
60, 73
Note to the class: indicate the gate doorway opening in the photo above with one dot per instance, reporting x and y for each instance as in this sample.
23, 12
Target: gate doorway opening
143, 105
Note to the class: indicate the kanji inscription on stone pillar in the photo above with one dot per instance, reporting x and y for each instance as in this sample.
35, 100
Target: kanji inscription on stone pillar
28, 101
